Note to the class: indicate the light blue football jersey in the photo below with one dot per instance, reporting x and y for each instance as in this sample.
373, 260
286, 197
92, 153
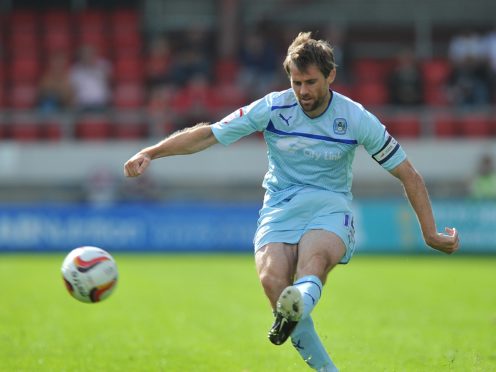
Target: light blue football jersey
304, 152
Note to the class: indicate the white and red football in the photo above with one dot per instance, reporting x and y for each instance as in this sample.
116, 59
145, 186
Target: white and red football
90, 274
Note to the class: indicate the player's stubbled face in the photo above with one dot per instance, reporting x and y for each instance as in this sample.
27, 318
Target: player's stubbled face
311, 88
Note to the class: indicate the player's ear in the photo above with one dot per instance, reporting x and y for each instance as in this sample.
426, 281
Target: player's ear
331, 77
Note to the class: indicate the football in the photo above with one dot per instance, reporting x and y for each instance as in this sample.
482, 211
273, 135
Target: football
90, 274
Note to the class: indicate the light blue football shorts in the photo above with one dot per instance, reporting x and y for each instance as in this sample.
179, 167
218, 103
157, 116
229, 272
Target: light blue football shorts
287, 221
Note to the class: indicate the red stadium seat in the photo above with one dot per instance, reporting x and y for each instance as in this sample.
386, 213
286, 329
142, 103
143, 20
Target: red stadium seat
129, 70
22, 40
23, 20
164, 127
2, 74
3, 95
475, 126
52, 130
157, 65
196, 97
372, 93
25, 70
446, 126
226, 70
58, 33
23, 46
93, 128
127, 39
346, 90
25, 52
129, 52
127, 46
435, 74
96, 39
229, 95
371, 70
3, 21
56, 40
125, 18
125, 34
92, 19
3, 131
129, 95
404, 126
436, 71
492, 125
56, 18
3, 123
130, 131
435, 95
23, 95
129, 126
24, 128
25, 132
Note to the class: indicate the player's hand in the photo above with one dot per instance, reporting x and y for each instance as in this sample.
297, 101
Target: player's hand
137, 165
446, 242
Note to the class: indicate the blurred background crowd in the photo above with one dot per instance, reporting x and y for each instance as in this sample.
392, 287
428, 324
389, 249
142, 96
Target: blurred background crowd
54, 59
111, 71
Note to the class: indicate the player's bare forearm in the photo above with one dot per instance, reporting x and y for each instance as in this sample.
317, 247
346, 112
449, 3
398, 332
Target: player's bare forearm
187, 141
418, 196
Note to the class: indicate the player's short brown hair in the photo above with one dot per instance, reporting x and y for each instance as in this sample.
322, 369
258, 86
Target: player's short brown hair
305, 51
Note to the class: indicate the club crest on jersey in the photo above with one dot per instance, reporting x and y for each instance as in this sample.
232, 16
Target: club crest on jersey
340, 126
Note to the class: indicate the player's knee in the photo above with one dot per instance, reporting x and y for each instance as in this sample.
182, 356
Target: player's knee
273, 283
270, 280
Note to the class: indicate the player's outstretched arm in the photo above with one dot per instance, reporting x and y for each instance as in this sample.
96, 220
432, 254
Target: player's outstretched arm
418, 196
187, 141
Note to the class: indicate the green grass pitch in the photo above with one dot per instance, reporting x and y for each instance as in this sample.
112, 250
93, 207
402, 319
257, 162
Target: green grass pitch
208, 313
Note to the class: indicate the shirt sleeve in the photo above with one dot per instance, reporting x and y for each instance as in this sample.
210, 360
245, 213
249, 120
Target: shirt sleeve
376, 140
243, 122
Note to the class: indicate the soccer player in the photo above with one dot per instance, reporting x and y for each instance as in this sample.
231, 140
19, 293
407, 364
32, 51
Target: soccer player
306, 224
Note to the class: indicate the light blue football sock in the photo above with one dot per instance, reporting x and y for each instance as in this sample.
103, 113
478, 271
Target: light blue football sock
306, 341
310, 288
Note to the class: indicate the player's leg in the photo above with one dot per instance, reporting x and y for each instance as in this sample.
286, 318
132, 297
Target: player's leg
276, 266
307, 343
318, 252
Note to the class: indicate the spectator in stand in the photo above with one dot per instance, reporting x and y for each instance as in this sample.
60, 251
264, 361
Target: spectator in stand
145, 190
193, 57
467, 44
101, 187
55, 90
90, 80
158, 62
483, 185
342, 53
196, 100
259, 69
405, 81
469, 83
160, 109
490, 48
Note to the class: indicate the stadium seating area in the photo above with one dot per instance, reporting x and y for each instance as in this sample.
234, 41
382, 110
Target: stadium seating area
28, 38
